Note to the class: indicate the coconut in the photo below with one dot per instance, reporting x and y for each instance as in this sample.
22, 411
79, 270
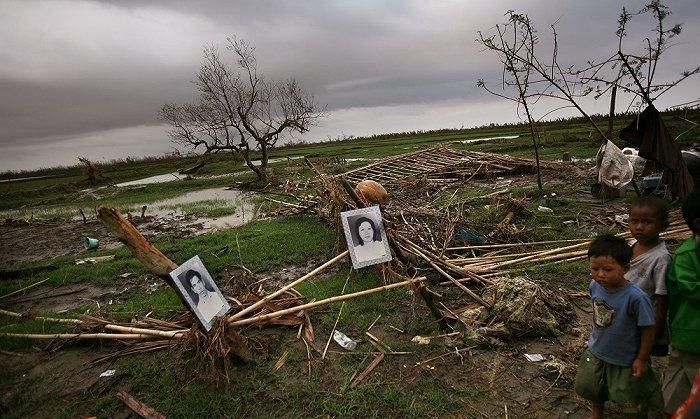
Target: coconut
372, 192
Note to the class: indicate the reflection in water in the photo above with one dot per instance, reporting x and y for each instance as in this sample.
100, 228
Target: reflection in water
230, 198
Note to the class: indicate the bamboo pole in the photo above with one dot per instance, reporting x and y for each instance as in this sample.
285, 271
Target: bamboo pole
172, 334
24, 289
125, 329
324, 302
46, 319
454, 281
113, 336
267, 298
505, 245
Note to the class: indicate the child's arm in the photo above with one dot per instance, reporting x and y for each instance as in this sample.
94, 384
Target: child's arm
639, 366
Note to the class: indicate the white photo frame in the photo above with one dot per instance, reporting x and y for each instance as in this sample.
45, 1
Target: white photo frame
202, 296
365, 223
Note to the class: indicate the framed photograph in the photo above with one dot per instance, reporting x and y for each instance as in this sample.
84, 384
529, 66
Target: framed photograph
198, 290
366, 237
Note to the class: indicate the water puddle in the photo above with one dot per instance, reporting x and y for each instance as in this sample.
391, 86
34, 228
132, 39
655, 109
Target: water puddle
199, 207
487, 139
168, 177
275, 160
22, 179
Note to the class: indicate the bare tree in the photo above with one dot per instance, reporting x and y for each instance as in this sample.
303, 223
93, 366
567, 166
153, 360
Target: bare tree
629, 72
511, 39
633, 70
239, 110
90, 170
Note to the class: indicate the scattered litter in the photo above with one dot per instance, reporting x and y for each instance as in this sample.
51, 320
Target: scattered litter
125, 275
534, 357
544, 209
397, 329
466, 235
108, 373
569, 222
110, 302
421, 340
523, 308
282, 359
96, 259
622, 219
344, 341
91, 243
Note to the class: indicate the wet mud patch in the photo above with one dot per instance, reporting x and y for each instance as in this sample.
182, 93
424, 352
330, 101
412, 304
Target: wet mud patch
31, 241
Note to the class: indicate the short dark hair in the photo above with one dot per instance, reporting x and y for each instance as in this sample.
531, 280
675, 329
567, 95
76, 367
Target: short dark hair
654, 203
375, 236
191, 274
613, 246
691, 210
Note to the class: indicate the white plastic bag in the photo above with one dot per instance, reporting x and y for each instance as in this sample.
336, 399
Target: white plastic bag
614, 169
344, 341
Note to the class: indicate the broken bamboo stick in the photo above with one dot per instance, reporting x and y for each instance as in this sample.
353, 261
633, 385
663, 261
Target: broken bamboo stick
324, 302
141, 409
113, 336
367, 370
267, 298
24, 289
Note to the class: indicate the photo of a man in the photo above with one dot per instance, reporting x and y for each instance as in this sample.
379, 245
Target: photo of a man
200, 293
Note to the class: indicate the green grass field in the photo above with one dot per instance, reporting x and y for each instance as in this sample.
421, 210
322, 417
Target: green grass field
300, 388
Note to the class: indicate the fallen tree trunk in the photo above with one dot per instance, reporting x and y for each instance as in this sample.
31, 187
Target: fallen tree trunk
144, 251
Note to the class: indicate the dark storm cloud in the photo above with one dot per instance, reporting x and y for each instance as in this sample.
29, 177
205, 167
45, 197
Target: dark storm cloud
73, 66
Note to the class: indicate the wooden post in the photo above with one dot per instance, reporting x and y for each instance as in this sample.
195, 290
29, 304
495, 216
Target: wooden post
144, 251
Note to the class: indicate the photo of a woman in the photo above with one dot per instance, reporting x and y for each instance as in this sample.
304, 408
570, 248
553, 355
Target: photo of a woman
369, 240
365, 236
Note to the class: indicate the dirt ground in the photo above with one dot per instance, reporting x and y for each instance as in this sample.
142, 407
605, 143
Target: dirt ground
506, 383
24, 241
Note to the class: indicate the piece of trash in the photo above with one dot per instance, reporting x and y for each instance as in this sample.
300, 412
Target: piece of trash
534, 357
466, 235
91, 243
96, 259
622, 219
421, 340
110, 302
125, 275
544, 209
108, 373
344, 341
569, 222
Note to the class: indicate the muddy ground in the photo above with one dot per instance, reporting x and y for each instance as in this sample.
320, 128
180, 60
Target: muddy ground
26, 241
506, 383
501, 381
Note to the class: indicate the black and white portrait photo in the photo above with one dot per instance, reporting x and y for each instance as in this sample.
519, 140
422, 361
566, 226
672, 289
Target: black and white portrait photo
365, 235
199, 291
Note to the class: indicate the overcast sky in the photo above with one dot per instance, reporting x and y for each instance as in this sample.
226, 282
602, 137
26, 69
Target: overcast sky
89, 77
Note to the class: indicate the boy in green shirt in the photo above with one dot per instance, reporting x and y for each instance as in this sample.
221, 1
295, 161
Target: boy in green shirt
683, 284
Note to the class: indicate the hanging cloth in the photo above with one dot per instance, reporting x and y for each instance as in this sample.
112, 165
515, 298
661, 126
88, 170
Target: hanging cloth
649, 133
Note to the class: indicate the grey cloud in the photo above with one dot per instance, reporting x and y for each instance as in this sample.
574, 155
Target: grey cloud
349, 54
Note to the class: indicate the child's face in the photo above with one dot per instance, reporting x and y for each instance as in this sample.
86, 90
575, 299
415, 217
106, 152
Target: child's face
645, 225
607, 272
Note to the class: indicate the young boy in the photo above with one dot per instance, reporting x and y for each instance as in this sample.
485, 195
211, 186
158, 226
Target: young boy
615, 366
648, 217
684, 311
